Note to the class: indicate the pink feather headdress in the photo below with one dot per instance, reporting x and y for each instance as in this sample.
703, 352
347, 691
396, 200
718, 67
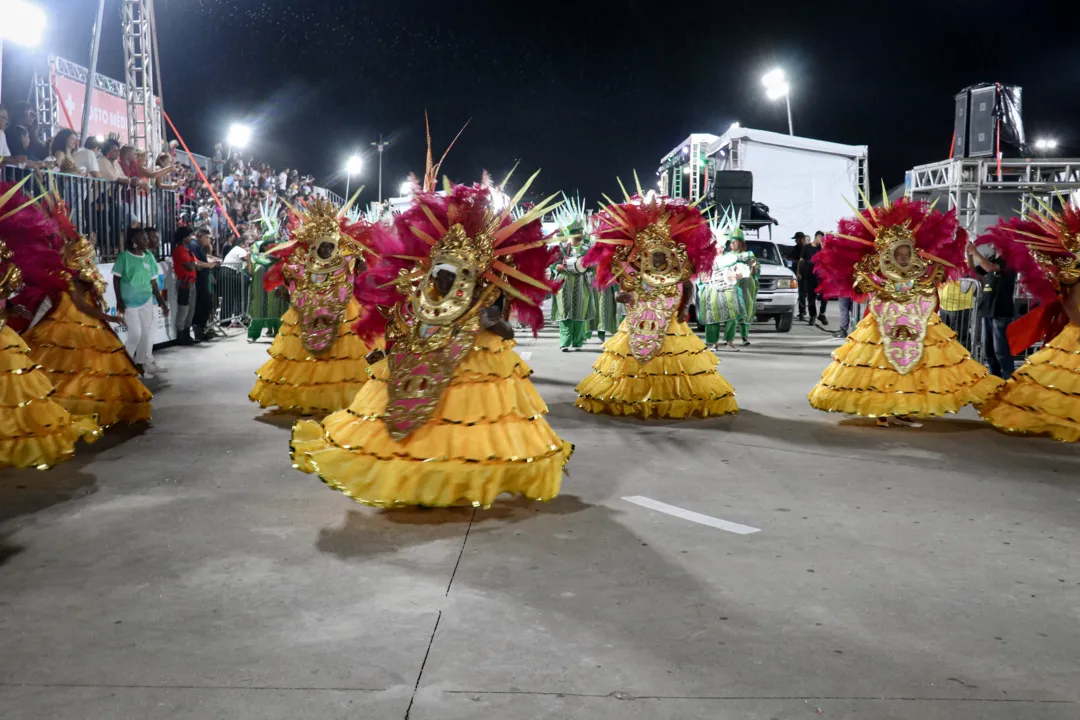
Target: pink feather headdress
35, 243
937, 237
518, 267
617, 225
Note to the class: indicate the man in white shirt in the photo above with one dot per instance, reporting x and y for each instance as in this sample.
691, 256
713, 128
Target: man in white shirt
86, 157
237, 257
283, 180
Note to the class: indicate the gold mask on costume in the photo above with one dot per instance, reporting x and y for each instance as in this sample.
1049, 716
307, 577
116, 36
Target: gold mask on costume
662, 262
322, 293
448, 289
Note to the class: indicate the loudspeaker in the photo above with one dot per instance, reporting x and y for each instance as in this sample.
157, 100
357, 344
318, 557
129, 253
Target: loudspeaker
981, 123
734, 188
960, 124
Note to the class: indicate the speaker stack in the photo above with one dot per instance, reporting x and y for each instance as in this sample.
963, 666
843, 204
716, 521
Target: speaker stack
986, 115
734, 188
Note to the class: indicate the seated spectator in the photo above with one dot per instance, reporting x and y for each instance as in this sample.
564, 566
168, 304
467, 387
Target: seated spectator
63, 149
86, 157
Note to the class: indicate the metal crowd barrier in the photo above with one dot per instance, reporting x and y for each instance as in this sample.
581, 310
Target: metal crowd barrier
232, 291
107, 210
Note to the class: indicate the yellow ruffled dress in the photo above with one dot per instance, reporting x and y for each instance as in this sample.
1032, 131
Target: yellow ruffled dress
860, 380
681, 381
295, 381
88, 366
487, 436
34, 430
1043, 395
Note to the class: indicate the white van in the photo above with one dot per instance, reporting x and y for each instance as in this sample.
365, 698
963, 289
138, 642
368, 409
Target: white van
778, 292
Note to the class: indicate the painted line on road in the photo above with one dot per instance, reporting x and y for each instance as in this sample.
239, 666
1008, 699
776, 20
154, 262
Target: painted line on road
691, 515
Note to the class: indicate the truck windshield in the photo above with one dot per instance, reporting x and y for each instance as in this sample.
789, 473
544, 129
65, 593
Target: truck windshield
765, 252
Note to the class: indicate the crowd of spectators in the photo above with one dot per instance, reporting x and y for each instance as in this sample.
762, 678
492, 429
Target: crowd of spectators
242, 184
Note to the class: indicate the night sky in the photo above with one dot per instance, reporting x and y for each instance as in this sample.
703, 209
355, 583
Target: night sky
587, 90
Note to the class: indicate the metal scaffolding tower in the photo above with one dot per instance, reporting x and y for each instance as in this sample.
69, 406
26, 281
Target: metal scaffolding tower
980, 195
45, 105
144, 117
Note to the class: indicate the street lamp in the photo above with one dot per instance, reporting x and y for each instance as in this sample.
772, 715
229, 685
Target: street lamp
239, 136
1045, 144
406, 189
776, 87
380, 146
352, 166
24, 24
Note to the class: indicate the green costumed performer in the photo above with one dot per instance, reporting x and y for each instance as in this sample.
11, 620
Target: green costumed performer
575, 305
729, 296
267, 307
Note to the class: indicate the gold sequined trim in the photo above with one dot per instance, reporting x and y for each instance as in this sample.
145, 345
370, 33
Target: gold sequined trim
682, 398
282, 383
967, 358
66, 347
613, 376
952, 391
485, 420
494, 459
21, 371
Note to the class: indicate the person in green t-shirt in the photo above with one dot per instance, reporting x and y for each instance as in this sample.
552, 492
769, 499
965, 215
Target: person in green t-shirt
135, 275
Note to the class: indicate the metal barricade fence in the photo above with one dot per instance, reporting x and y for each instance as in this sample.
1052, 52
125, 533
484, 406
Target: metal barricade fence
106, 210
232, 293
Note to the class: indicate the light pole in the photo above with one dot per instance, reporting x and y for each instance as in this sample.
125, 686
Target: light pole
239, 136
352, 166
776, 87
24, 24
379, 146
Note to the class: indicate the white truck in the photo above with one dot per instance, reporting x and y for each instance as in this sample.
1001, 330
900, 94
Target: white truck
778, 291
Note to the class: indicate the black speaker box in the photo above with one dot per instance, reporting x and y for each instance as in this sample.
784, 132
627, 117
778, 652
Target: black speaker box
734, 188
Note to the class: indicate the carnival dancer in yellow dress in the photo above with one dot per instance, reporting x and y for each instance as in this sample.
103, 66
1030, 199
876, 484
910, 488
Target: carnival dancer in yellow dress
34, 430
901, 362
1043, 395
317, 363
450, 416
75, 343
654, 366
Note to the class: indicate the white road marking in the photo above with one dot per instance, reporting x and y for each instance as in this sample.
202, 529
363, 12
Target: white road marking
691, 515
525, 355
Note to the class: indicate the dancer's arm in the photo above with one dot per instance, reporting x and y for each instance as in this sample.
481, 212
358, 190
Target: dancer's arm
684, 305
1072, 304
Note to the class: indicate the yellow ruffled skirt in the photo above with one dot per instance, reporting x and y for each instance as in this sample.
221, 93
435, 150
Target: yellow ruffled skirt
88, 366
860, 380
488, 436
681, 381
34, 430
1043, 396
295, 381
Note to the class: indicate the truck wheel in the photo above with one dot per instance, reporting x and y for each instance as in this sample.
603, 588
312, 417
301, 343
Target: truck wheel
783, 322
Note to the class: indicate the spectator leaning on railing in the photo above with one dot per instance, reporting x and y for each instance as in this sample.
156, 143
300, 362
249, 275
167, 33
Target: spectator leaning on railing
86, 157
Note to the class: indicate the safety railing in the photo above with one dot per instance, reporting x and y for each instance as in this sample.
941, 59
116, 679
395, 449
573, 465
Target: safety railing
104, 210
